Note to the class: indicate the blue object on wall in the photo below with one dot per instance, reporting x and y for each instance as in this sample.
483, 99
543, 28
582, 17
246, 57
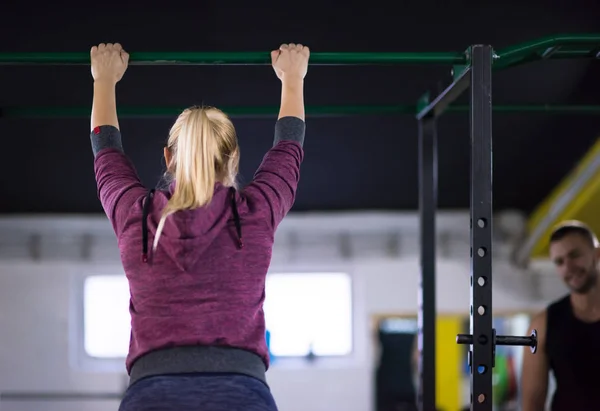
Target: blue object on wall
268, 340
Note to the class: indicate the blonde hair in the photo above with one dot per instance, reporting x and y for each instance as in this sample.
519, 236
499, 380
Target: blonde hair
204, 150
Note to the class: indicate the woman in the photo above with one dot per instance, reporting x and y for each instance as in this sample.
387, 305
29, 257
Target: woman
197, 285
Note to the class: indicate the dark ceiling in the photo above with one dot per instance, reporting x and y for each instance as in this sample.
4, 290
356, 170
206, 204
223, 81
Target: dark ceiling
359, 162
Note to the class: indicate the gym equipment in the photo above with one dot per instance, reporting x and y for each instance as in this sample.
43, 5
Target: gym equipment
530, 341
476, 76
313, 111
472, 70
554, 47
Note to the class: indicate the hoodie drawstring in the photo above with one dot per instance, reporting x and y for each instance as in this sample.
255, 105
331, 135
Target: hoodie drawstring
236, 218
146, 210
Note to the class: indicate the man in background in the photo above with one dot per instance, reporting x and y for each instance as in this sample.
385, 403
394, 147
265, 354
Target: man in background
568, 329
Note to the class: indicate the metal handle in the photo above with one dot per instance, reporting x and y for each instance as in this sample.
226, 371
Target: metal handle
513, 340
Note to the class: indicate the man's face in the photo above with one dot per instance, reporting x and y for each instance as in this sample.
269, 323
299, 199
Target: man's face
575, 260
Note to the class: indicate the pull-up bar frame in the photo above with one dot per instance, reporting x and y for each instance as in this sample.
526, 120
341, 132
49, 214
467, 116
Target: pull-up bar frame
553, 47
476, 76
152, 112
471, 70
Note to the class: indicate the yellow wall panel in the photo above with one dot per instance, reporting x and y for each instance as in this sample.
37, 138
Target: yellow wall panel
448, 363
583, 207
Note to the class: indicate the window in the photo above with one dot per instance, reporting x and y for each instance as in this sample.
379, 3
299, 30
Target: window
106, 321
303, 312
399, 325
309, 311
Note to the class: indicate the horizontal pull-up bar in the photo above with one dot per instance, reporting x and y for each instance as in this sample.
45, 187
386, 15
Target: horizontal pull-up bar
560, 46
259, 111
563, 46
235, 58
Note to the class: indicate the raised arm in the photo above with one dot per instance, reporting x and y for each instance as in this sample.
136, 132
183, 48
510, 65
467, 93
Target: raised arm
535, 369
276, 180
118, 183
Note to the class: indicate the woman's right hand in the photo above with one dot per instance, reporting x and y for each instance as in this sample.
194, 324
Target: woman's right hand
109, 62
290, 61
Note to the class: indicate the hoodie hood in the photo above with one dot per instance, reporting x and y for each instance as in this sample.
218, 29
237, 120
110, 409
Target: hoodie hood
187, 233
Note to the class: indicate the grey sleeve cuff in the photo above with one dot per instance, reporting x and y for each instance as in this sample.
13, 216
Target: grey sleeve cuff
106, 137
291, 129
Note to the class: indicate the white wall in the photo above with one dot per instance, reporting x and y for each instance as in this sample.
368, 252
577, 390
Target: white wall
36, 316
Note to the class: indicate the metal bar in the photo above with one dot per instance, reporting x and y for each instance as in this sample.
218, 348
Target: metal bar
59, 396
541, 108
235, 58
239, 111
427, 307
267, 111
514, 340
557, 55
536, 49
513, 55
446, 97
481, 228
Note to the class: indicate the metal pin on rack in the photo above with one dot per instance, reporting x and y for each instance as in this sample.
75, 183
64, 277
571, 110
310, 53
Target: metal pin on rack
511, 340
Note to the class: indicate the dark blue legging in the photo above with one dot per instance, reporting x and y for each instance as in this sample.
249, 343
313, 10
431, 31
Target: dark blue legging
198, 392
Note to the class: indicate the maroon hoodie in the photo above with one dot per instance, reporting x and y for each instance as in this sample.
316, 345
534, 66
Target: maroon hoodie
197, 301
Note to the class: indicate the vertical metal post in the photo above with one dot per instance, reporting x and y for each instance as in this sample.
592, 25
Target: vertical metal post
483, 343
427, 309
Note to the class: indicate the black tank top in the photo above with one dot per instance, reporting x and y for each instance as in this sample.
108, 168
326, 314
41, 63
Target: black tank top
573, 350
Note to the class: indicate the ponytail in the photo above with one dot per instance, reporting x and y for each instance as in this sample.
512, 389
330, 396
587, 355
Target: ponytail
196, 155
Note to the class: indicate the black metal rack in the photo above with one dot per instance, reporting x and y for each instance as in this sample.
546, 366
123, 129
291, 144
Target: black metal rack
477, 77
